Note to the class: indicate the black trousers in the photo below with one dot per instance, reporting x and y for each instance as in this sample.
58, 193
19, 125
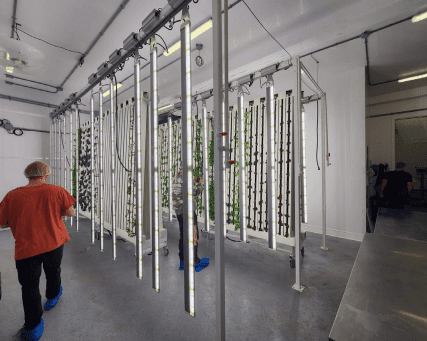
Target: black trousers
181, 236
29, 272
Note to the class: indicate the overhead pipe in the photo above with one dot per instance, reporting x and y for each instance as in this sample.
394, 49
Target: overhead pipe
161, 22
107, 25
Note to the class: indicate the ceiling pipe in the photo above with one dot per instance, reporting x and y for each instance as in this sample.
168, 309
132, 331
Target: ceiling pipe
15, 3
100, 34
57, 88
42, 104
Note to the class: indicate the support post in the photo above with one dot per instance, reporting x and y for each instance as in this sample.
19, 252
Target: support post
77, 169
101, 168
138, 159
298, 173
187, 161
242, 166
206, 164
218, 169
92, 170
60, 153
155, 166
113, 166
324, 162
50, 152
271, 169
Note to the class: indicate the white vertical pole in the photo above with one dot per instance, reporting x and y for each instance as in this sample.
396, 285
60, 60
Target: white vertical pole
71, 158
206, 164
219, 169
242, 166
155, 168
187, 160
92, 170
113, 165
271, 170
298, 174
101, 168
77, 169
170, 165
138, 159
324, 162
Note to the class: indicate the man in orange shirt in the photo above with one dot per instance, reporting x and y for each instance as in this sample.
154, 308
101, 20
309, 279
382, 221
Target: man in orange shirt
33, 213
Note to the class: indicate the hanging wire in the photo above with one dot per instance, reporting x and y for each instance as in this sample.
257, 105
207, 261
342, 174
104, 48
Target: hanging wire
166, 49
266, 29
117, 123
14, 29
63, 145
247, 93
60, 47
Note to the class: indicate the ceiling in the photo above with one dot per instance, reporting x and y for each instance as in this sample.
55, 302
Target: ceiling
412, 130
301, 27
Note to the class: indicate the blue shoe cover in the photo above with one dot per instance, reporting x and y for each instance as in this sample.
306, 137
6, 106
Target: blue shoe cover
181, 265
204, 262
34, 334
51, 303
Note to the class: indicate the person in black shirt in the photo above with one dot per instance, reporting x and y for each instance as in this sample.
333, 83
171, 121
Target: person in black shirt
396, 186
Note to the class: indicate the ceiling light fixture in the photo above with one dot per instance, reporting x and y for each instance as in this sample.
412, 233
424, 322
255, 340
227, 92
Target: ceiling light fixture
165, 107
419, 17
194, 34
412, 78
106, 93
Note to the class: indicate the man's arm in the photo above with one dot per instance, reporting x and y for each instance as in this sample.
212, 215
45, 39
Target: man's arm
410, 184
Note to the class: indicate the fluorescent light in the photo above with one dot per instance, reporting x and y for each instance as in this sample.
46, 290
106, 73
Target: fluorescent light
412, 78
118, 86
419, 17
165, 107
9, 68
198, 31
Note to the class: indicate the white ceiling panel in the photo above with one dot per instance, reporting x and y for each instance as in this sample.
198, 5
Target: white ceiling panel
300, 26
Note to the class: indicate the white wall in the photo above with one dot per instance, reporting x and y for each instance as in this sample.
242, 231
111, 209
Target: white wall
380, 131
345, 178
17, 152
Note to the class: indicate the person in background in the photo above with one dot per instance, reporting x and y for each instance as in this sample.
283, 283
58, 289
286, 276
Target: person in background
33, 213
178, 205
396, 186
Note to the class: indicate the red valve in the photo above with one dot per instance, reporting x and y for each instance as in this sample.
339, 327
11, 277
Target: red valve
223, 134
231, 162
329, 154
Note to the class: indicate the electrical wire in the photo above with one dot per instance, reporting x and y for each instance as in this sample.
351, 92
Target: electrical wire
236, 241
117, 124
63, 148
247, 93
266, 29
48, 42
17, 35
167, 50
308, 86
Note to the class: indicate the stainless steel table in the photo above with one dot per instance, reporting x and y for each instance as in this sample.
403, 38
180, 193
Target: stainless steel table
402, 223
386, 295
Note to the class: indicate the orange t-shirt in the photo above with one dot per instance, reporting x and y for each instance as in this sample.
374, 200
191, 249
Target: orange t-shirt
34, 216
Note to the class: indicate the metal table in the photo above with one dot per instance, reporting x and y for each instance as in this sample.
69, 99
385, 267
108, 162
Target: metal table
402, 223
386, 295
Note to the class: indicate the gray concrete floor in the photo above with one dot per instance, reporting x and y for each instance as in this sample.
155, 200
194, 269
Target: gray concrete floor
104, 300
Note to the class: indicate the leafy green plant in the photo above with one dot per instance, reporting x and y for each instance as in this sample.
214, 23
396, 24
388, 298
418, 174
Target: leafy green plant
211, 179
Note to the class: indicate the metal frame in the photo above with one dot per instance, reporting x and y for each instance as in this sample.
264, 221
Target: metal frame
186, 156
155, 217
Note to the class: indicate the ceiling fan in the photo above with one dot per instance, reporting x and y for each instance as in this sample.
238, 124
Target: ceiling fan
20, 57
